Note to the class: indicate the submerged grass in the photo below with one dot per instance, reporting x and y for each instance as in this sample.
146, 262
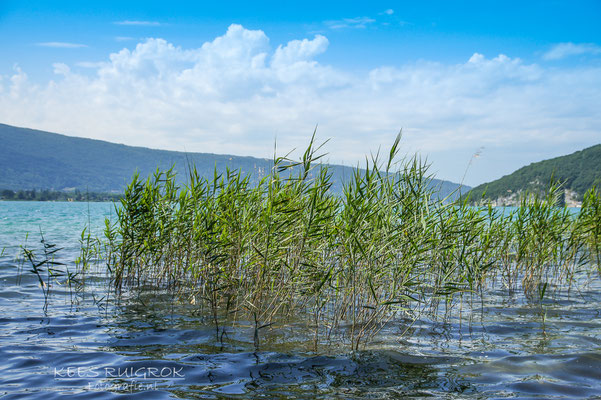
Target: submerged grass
345, 264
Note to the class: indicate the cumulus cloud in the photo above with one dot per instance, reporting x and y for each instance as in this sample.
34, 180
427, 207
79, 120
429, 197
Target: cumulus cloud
236, 93
63, 45
563, 50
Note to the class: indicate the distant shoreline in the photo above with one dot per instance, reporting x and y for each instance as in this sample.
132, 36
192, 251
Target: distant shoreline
57, 196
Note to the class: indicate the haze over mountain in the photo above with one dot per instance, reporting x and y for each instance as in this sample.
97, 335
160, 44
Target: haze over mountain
578, 172
34, 159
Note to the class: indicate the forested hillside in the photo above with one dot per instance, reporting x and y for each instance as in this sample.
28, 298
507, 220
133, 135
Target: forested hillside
33, 159
578, 172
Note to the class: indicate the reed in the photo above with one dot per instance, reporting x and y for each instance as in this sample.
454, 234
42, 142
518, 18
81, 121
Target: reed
288, 248
589, 224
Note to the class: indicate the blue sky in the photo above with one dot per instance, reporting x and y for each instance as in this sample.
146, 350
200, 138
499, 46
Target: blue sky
519, 82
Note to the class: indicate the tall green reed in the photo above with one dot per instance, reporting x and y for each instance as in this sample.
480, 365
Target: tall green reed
289, 249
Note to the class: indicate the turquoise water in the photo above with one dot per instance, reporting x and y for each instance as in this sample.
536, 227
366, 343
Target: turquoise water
24, 222
150, 346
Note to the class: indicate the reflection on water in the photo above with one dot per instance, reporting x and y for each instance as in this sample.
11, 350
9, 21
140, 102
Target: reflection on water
150, 346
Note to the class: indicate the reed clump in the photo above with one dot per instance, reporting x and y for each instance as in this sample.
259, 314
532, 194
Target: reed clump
288, 248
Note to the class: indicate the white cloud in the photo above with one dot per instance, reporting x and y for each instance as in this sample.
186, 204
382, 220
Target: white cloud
61, 69
138, 23
563, 50
63, 45
390, 11
235, 93
358, 22
300, 50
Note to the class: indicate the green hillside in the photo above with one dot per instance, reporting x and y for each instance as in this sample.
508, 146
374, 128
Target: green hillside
33, 159
578, 172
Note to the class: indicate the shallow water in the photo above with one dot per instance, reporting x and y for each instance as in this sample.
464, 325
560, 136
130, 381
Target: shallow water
149, 346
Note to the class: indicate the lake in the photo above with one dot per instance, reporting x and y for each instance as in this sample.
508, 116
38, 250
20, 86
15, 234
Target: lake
87, 344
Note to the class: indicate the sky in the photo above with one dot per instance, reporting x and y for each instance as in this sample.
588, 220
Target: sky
478, 88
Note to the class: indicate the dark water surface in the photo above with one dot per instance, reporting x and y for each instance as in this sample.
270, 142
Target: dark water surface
151, 347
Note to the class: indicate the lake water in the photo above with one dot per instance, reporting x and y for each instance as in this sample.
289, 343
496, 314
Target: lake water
152, 347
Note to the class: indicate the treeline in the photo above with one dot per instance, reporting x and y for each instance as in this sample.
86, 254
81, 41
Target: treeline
54, 195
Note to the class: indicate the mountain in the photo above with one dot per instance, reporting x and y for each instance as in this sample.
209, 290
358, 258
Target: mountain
578, 172
33, 159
